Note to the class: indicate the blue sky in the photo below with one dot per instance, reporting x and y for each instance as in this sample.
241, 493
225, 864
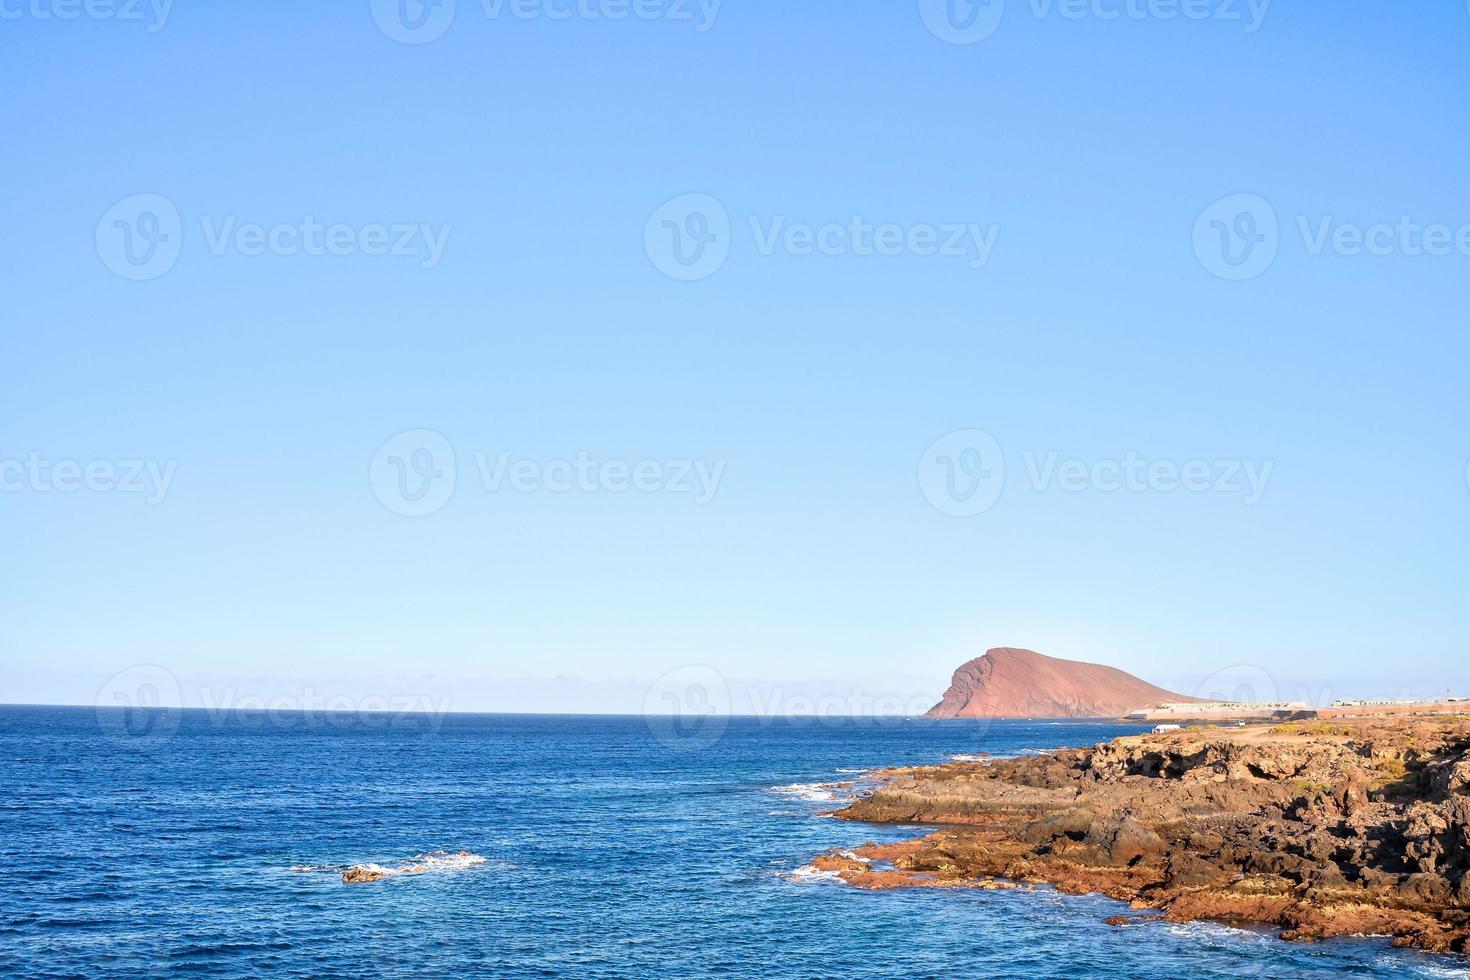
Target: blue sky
543, 156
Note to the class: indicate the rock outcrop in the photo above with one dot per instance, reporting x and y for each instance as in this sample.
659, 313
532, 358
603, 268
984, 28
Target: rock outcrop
359, 874
1358, 828
1009, 682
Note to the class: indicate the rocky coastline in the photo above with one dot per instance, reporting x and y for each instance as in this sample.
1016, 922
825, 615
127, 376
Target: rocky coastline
1354, 827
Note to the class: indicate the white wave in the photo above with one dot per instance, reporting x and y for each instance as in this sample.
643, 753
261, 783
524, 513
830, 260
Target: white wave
971, 757
858, 772
429, 861
813, 792
1219, 930
444, 861
808, 874
1392, 962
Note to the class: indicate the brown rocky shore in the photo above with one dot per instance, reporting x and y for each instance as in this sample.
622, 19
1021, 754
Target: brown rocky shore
1321, 829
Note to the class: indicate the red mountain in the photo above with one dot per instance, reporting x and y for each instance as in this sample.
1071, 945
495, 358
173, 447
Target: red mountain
1012, 683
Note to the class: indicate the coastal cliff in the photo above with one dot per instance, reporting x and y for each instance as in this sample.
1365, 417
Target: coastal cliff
1008, 682
1359, 827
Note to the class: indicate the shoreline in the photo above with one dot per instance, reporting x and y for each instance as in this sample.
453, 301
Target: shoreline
1350, 826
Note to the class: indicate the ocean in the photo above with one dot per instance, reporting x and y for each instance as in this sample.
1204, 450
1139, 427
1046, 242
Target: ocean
213, 844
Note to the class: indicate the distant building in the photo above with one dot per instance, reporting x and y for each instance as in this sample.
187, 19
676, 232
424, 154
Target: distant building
1395, 702
1220, 710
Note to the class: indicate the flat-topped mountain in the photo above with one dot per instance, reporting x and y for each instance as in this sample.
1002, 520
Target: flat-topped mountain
1009, 682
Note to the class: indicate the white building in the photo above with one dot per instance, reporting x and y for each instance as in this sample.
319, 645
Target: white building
1394, 702
1221, 710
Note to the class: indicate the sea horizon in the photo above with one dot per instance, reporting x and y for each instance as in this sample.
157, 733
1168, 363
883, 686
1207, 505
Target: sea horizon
554, 714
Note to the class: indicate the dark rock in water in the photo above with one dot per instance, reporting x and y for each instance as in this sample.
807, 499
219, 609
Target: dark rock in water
359, 875
1132, 920
422, 864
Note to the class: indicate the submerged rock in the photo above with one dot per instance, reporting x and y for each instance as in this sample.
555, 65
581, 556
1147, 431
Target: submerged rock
358, 875
422, 864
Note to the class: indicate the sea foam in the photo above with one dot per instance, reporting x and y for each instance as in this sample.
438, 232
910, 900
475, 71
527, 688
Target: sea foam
813, 792
807, 874
425, 863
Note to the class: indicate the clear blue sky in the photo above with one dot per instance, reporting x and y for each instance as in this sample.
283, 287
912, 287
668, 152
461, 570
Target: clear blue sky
1094, 331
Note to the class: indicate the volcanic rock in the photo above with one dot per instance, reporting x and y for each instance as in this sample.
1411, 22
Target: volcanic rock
1351, 829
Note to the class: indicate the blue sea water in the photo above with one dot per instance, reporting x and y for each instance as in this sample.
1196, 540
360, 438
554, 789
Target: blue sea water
212, 844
